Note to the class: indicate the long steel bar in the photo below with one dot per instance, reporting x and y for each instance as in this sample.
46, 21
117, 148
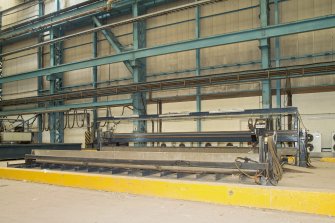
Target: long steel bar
140, 163
103, 27
63, 108
205, 80
319, 23
206, 114
227, 136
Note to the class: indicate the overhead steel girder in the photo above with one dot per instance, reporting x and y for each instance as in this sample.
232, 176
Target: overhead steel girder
319, 23
112, 40
34, 26
63, 108
40, 25
133, 20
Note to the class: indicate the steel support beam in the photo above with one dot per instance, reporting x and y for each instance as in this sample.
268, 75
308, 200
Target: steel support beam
76, 14
277, 54
265, 54
56, 119
139, 71
324, 22
95, 80
198, 64
40, 79
112, 40
110, 25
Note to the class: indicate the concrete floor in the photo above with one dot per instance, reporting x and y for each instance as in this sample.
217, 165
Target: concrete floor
320, 176
29, 202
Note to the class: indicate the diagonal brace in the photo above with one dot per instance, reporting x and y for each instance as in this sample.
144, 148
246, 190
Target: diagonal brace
111, 38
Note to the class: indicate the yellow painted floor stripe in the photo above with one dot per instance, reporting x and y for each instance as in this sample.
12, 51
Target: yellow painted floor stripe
328, 159
285, 199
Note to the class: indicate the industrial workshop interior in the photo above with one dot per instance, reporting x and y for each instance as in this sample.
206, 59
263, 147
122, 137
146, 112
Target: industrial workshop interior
167, 111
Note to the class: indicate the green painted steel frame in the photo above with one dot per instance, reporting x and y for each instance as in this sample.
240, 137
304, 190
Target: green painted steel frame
139, 53
56, 119
40, 79
198, 65
319, 23
36, 26
265, 54
139, 70
277, 54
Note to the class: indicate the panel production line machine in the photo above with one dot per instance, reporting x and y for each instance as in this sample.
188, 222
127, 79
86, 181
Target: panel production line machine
17, 139
269, 146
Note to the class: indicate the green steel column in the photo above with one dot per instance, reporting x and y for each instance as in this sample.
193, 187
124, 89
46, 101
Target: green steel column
198, 65
56, 119
277, 55
95, 79
139, 69
264, 46
40, 65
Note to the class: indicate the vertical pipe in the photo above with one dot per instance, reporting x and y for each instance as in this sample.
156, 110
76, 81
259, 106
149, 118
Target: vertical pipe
265, 55
40, 79
160, 111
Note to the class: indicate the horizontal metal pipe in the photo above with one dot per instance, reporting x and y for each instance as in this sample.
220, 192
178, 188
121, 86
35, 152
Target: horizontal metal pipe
67, 107
205, 80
